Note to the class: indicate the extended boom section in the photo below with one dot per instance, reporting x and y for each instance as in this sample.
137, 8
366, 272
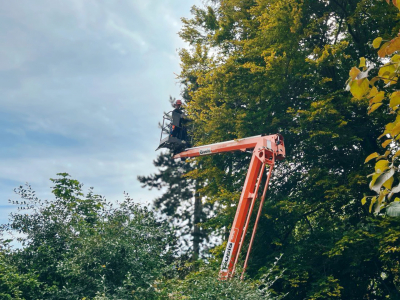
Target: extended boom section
266, 149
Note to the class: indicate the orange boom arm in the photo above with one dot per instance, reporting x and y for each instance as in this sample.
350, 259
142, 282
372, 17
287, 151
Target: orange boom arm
266, 150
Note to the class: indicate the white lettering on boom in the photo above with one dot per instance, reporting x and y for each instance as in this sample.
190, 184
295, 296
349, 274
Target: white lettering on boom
205, 151
227, 257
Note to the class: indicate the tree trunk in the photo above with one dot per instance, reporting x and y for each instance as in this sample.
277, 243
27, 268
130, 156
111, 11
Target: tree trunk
196, 220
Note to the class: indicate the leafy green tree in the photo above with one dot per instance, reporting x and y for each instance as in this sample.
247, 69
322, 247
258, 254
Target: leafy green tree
122, 257
14, 284
272, 66
80, 246
205, 284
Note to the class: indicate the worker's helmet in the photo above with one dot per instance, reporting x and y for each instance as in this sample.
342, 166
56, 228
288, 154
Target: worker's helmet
178, 102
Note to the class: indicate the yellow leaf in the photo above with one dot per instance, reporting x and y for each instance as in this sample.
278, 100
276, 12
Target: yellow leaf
374, 107
359, 88
396, 154
380, 199
364, 200
377, 42
381, 166
373, 80
354, 72
394, 99
395, 58
361, 81
387, 72
382, 135
326, 79
373, 92
378, 98
388, 183
397, 199
390, 126
362, 62
396, 3
373, 179
373, 200
387, 142
386, 154
395, 131
371, 156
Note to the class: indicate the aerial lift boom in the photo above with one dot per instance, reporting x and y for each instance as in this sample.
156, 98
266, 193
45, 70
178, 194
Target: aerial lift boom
266, 149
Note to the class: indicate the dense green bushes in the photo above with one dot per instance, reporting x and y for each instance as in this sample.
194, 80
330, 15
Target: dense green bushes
82, 247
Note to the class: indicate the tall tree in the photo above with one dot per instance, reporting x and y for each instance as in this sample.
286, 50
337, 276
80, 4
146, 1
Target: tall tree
181, 201
270, 66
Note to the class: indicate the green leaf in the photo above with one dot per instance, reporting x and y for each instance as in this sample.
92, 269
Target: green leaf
393, 209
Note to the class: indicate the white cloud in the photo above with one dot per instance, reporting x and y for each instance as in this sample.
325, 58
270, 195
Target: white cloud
134, 36
84, 84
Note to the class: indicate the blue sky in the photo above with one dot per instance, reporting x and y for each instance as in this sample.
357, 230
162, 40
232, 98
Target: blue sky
83, 85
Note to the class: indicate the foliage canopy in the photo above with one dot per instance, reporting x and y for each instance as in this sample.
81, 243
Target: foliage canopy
270, 66
252, 66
